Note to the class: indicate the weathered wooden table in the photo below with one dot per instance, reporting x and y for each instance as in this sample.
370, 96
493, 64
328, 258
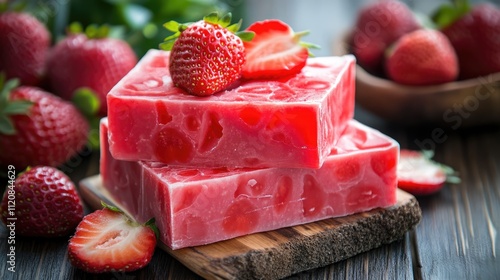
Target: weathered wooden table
457, 237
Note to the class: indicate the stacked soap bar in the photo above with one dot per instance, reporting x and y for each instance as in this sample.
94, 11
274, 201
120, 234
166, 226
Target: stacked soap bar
195, 206
293, 122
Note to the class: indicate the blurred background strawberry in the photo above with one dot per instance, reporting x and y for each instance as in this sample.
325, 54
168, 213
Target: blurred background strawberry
474, 32
24, 43
88, 59
378, 25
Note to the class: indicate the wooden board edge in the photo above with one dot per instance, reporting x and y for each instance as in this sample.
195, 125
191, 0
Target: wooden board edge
301, 253
341, 240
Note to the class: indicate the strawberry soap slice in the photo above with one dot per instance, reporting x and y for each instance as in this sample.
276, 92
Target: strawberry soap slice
293, 122
195, 206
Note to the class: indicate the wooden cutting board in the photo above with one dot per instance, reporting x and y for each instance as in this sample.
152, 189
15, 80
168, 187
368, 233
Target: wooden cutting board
283, 252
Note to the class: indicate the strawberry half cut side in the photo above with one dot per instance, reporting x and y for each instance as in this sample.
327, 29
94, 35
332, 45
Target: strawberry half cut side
107, 241
275, 51
418, 174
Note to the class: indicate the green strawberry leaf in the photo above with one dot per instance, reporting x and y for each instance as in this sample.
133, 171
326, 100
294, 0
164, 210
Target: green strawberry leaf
172, 26
10, 107
167, 46
4, 6
87, 102
298, 36
15, 6
18, 107
212, 18
233, 28
75, 28
92, 31
6, 126
245, 36
151, 224
226, 20
447, 14
111, 207
6, 88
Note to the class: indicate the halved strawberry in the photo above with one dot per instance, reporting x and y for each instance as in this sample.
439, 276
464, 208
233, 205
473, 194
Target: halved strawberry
419, 175
107, 241
275, 51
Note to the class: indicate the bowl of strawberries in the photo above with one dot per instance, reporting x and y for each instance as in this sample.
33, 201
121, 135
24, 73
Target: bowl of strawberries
442, 71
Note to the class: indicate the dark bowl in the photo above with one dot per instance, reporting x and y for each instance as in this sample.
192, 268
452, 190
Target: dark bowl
464, 103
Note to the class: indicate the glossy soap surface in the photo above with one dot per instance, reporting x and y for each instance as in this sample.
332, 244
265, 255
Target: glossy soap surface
293, 122
195, 206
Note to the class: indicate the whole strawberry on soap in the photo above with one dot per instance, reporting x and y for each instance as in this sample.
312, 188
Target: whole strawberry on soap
24, 45
206, 56
379, 25
37, 127
46, 203
91, 60
474, 32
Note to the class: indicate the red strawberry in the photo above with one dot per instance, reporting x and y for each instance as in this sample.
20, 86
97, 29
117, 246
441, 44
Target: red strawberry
46, 203
474, 36
419, 175
422, 57
275, 51
108, 241
92, 61
38, 128
379, 25
24, 43
206, 56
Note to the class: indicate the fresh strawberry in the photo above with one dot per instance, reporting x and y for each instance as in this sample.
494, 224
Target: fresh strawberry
379, 25
275, 51
45, 203
474, 34
37, 127
422, 57
89, 60
420, 175
206, 56
24, 44
108, 241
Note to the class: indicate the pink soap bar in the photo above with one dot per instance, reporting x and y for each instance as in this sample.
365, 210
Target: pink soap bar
200, 206
294, 122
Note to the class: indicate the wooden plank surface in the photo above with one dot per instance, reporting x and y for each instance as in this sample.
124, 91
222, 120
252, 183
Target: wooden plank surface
284, 252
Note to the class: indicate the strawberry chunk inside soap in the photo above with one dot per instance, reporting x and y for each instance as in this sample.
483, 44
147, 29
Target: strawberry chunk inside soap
293, 122
196, 206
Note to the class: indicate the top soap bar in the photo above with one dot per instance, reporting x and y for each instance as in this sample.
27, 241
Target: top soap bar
293, 122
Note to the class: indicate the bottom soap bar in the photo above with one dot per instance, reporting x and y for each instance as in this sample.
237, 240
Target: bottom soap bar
201, 206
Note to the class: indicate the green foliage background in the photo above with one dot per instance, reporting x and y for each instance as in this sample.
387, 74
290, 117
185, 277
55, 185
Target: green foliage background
139, 22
